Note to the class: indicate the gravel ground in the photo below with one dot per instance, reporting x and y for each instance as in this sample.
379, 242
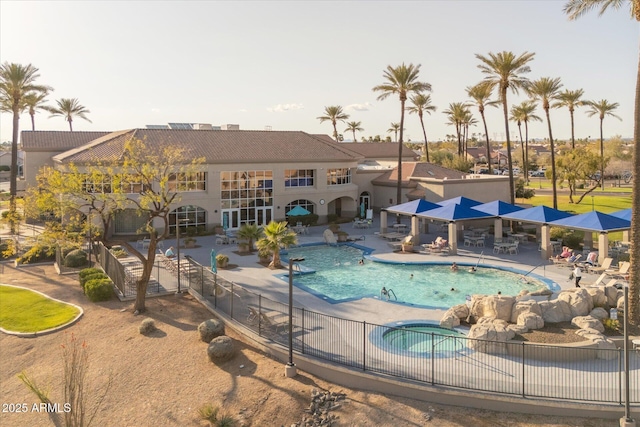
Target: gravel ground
164, 378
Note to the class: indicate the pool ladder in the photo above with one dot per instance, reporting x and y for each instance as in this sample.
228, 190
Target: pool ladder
389, 292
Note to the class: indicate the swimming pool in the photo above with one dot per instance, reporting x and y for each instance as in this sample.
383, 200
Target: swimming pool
339, 277
423, 338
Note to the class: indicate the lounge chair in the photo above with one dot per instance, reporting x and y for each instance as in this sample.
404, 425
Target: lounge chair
266, 321
566, 262
598, 280
606, 265
623, 270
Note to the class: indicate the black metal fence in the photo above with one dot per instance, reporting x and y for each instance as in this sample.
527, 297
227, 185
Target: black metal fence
512, 368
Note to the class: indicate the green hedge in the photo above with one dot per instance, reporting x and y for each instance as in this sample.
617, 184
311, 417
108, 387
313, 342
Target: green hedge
99, 289
88, 271
94, 276
75, 258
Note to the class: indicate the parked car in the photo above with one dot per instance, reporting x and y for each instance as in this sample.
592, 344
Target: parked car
538, 173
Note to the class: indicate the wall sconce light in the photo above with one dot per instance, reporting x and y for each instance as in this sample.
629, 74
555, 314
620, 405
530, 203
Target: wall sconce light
215, 211
278, 207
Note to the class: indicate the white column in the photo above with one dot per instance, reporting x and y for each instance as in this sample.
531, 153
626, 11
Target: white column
453, 238
588, 239
603, 247
415, 229
383, 221
497, 228
545, 242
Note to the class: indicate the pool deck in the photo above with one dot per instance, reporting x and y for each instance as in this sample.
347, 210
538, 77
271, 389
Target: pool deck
250, 274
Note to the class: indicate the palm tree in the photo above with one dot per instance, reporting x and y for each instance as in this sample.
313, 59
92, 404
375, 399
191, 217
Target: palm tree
395, 127
421, 104
467, 121
276, 236
575, 9
516, 116
353, 127
545, 90
602, 108
334, 114
481, 93
504, 70
16, 82
70, 108
571, 100
34, 102
457, 114
527, 110
401, 80
250, 232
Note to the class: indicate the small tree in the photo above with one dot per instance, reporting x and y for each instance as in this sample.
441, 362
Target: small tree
250, 232
575, 166
276, 236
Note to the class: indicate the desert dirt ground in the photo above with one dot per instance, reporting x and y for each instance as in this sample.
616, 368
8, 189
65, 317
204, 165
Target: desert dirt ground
163, 379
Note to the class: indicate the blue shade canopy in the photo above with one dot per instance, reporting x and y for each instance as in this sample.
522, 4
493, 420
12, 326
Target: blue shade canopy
453, 212
594, 221
497, 208
624, 214
537, 215
298, 211
412, 207
460, 200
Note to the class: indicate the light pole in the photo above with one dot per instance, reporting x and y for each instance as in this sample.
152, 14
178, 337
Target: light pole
592, 204
178, 222
290, 368
626, 421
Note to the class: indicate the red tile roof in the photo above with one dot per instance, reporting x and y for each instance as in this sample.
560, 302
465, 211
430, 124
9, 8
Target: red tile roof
417, 170
57, 141
220, 146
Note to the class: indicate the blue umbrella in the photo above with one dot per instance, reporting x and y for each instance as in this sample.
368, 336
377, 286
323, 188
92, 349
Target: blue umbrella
214, 264
225, 222
362, 210
298, 211
594, 221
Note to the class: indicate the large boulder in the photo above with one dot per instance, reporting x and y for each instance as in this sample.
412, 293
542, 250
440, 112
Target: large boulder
210, 329
612, 294
579, 300
588, 322
494, 306
607, 349
221, 349
449, 320
530, 320
461, 311
490, 337
524, 306
597, 296
599, 313
555, 311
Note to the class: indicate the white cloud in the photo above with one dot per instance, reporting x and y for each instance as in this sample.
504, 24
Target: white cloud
155, 110
284, 107
243, 110
359, 107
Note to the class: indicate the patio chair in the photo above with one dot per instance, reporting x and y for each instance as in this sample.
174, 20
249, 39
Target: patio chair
598, 281
606, 265
513, 249
623, 270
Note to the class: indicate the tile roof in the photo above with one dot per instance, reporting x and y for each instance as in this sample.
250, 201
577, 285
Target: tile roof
48, 140
417, 170
219, 146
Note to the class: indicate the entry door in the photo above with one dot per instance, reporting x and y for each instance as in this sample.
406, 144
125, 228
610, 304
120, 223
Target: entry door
366, 199
264, 215
231, 218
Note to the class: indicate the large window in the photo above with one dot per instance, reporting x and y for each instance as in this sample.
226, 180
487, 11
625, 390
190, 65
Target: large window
298, 178
97, 184
196, 181
250, 192
338, 176
189, 217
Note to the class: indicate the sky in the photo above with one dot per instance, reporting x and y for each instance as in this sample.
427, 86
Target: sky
278, 64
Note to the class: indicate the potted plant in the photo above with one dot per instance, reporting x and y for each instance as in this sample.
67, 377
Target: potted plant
243, 247
222, 261
189, 242
264, 256
407, 244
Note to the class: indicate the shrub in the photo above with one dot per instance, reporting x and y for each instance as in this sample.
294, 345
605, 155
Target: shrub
75, 258
147, 326
332, 218
119, 253
85, 279
611, 324
99, 289
38, 253
4, 168
88, 271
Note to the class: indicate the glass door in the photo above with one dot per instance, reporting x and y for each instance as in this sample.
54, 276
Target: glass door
264, 215
230, 218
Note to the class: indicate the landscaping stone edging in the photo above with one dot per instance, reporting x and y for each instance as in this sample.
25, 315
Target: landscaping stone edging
46, 331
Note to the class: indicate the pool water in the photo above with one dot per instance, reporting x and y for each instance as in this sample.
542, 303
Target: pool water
339, 277
424, 338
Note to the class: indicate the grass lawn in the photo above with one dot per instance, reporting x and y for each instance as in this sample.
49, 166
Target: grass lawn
22, 310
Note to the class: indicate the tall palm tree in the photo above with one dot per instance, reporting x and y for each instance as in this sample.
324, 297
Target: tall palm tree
602, 109
353, 127
467, 121
334, 114
395, 127
517, 116
421, 104
575, 9
16, 82
276, 236
70, 108
401, 80
457, 114
481, 93
504, 70
527, 110
36, 101
571, 100
546, 90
